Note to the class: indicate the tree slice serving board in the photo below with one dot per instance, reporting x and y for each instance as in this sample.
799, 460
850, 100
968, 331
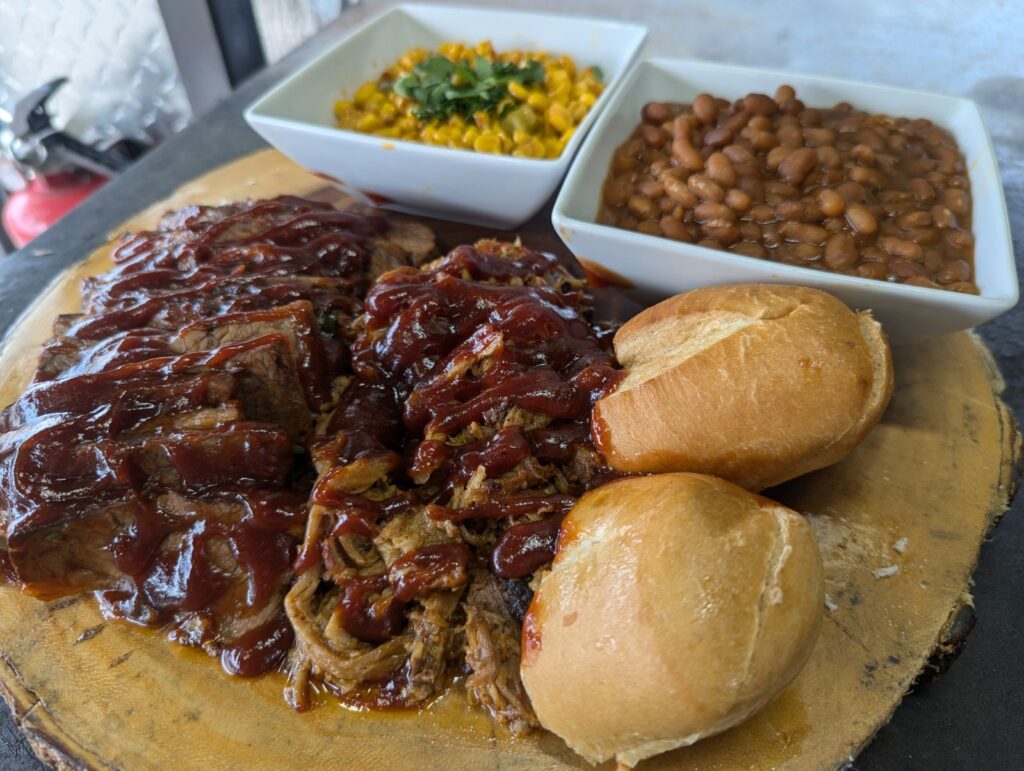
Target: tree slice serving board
900, 523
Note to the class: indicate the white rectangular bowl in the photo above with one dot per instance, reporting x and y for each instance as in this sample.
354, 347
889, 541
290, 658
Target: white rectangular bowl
297, 117
659, 267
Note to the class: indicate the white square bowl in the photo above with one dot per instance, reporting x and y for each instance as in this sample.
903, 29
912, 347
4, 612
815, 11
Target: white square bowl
296, 116
659, 267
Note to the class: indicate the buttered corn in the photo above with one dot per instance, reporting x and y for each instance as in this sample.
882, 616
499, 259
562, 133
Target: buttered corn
533, 120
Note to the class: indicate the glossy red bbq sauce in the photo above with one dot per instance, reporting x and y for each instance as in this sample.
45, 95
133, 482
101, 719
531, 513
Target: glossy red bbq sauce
205, 522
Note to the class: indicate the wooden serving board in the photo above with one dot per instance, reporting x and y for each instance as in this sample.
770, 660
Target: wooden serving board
900, 523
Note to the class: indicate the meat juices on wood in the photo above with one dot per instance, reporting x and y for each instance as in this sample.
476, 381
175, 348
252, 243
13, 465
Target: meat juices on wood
157, 457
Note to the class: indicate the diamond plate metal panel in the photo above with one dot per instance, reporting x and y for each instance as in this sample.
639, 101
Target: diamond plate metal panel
123, 78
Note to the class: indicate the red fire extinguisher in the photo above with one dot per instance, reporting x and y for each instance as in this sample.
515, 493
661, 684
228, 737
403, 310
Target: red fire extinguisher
59, 171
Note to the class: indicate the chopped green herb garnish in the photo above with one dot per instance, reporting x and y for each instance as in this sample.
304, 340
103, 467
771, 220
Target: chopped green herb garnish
443, 88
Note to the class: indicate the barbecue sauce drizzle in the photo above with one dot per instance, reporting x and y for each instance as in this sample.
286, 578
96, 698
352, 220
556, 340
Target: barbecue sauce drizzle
422, 333
68, 448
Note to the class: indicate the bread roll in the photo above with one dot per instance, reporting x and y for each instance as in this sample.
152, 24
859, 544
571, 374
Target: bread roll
677, 605
755, 383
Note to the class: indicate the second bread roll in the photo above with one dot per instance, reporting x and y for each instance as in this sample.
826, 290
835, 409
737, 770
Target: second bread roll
755, 383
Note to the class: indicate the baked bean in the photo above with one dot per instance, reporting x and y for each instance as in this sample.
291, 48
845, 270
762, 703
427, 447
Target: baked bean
819, 137
923, 236
687, 156
790, 136
721, 232
797, 164
914, 219
863, 154
673, 228
776, 156
708, 213
656, 113
960, 239
652, 188
802, 231
749, 249
906, 268
706, 188
720, 169
861, 220
957, 270
957, 201
679, 191
705, 109
841, 251
764, 140
863, 195
738, 200
806, 251
642, 206
899, 247
653, 135
873, 270
852, 191
791, 106
943, 217
750, 231
781, 189
868, 177
719, 137
784, 93
771, 234
828, 157
739, 154
832, 204
798, 211
759, 104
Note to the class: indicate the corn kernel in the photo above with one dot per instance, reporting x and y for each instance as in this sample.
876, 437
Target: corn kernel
470, 135
561, 94
375, 100
577, 110
567, 135
487, 142
538, 101
587, 99
518, 90
457, 122
557, 76
364, 92
553, 147
568, 65
388, 113
533, 148
484, 48
368, 122
391, 132
482, 120
559, 117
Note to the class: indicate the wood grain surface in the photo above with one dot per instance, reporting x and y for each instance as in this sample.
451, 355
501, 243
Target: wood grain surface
900, 523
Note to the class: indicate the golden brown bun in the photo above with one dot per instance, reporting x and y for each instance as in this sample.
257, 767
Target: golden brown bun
677, 606
755, 383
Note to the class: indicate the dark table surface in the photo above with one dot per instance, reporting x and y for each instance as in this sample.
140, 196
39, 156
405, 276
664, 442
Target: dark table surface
974, 714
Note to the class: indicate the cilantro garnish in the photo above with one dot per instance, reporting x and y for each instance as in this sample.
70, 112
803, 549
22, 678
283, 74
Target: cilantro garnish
443, 88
